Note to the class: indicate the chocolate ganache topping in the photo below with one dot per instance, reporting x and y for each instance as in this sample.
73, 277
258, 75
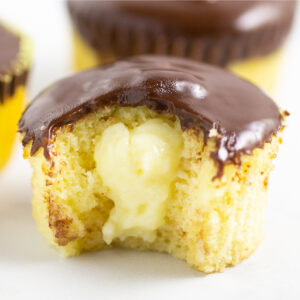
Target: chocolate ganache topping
10, 75
9, 50
212, 31
202, 96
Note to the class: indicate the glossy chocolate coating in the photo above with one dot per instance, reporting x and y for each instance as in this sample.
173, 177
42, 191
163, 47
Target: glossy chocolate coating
9, 50
10, 77
213, 31
202, 96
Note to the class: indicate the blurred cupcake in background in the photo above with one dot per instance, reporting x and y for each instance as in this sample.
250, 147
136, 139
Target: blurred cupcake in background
245, 36
15, 61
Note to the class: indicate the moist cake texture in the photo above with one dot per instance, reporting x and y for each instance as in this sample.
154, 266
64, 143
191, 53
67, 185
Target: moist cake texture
154, 153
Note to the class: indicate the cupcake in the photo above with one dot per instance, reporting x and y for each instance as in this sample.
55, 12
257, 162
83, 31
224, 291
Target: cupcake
15, 59
244, 36
156, 153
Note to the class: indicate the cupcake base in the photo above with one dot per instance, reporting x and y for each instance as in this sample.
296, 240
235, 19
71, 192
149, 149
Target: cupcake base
209, 222
262, 71
10, 112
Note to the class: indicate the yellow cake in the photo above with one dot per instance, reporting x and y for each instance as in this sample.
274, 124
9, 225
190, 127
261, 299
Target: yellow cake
15, 60
247, 37
153, 153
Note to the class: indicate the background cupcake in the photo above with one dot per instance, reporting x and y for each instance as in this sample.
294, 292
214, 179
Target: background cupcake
15, 60
245, 36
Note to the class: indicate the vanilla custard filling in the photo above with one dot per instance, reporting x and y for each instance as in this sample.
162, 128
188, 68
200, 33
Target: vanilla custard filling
137, 167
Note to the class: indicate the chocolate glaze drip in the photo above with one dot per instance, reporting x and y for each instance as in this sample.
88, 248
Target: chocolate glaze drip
203, 97
9, 50
217, 32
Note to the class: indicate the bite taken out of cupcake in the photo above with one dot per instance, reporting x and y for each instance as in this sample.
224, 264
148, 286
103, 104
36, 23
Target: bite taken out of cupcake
15, 62
247, 37
153, 152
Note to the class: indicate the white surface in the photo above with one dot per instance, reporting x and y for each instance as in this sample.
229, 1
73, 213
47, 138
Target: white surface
29, 269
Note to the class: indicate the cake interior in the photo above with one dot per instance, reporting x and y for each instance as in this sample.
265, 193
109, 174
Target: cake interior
209, 222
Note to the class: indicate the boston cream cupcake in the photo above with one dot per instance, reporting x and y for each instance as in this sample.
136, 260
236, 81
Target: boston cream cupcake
155, 153
15, 60
244, 36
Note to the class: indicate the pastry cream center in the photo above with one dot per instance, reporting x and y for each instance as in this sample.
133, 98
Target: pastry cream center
137, 167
